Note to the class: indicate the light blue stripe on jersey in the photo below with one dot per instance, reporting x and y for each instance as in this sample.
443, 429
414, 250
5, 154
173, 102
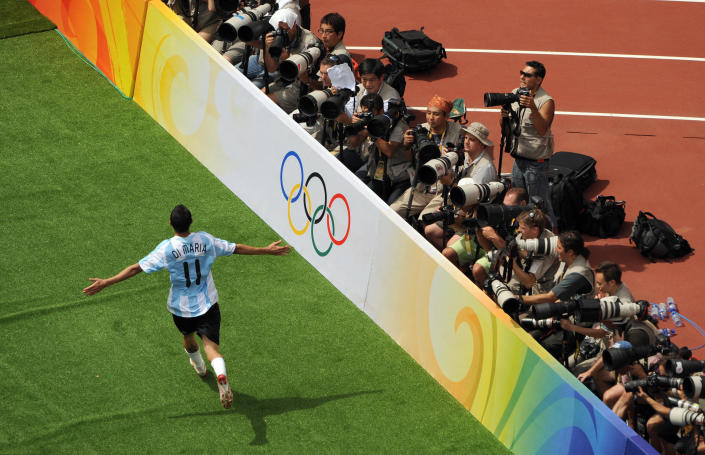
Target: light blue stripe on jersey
189, 261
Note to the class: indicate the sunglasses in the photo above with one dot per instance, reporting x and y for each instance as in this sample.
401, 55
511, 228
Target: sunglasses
522, 73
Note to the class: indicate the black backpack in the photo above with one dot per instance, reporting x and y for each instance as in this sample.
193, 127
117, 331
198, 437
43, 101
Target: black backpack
395, 77
656, 239
412, 50
602, 217
569, 175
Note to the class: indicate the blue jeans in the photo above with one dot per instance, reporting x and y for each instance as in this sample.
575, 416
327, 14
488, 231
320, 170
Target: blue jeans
531, 175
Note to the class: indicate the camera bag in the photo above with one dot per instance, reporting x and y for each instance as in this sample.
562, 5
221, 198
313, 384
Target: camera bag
412, 49
656, 239
569, 175
602, 217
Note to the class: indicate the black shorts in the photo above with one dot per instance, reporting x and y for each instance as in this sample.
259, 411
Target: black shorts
207, 324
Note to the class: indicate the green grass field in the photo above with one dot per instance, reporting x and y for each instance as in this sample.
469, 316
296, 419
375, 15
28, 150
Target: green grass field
88, 182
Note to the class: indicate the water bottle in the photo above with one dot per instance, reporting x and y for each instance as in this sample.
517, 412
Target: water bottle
662, 311
668, 332
654, 311
674, 312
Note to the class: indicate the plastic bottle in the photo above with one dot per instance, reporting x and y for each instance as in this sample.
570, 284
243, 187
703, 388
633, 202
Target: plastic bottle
668, 332
662, 311
674, 312
654, 311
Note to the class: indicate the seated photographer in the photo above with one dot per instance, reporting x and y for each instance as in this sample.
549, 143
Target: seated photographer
386, 171
477, 165
200, 15
468, 250
662, 435
331, 32
637, 330
371, 72
532, 274
608, 281
574, 277
441, 131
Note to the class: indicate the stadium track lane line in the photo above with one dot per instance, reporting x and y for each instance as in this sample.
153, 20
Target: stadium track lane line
570, 54
589, 114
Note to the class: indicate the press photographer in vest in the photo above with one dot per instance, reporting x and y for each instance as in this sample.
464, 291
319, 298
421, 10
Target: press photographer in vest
387, 162
477, 165
534, 145
532, 274
441, 131
574, 276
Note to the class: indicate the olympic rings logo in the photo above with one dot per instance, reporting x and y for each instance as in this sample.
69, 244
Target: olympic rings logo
322, 210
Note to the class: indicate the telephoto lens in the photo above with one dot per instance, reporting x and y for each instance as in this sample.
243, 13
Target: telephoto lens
311, 103
227, 31
467, 193
436, 168
693, 387
679, 417
298, 64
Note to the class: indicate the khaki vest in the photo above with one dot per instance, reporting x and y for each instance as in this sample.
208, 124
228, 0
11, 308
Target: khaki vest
580, 266
530, 144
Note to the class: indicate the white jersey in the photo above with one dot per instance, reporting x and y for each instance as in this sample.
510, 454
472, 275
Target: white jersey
189, 261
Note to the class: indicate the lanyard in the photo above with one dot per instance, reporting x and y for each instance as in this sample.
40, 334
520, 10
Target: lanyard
440, 145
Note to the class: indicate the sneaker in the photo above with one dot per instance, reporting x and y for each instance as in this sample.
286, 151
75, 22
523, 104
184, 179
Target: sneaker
202, 372
226, 395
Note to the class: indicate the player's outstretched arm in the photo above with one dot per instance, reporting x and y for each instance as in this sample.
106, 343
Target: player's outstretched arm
99, 283
274, 248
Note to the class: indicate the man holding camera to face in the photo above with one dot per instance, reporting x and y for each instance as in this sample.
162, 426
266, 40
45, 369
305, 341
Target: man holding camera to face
534, 146
441, 131
386, 171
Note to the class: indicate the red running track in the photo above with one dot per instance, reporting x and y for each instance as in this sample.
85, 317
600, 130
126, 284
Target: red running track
654, 164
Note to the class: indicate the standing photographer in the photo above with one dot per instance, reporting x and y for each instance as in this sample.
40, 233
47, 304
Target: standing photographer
534, 146
441, 131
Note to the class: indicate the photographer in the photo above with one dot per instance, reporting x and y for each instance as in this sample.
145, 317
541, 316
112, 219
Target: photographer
326, 131
573, 277
331, 32
534, 146
372, 81
200, 15
441, 131
476, 165
530, 273
296, 40
662, 435
468, 250
386, 172
608, 281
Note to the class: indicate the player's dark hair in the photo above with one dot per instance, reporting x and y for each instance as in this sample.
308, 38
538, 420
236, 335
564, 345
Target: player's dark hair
336, 21
180, 219
371, 66
611, 271
538, 67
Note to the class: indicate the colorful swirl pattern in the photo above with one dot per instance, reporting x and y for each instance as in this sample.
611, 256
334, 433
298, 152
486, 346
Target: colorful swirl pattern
107, 32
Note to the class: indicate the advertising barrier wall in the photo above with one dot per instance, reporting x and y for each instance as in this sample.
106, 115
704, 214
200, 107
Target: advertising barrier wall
489, 364
107, 32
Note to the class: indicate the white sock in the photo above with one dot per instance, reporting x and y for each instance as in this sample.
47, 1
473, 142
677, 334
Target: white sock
196, 357
218, 365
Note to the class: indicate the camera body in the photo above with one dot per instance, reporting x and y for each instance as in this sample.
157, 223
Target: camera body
355, 128
281, 40
424, 146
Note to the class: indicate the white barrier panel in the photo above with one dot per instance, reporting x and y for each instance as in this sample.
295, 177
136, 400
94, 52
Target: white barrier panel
511, 385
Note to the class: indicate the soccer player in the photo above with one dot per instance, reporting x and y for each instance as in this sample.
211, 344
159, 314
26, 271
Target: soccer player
193, 298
